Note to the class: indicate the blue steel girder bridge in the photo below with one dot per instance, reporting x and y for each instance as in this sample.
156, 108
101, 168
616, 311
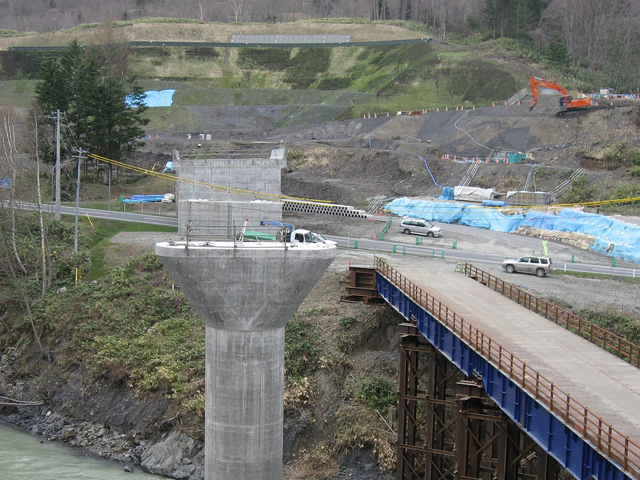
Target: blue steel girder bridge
490, 389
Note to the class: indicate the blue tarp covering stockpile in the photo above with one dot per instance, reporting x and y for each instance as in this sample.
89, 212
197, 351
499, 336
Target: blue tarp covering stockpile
540, 220
463, 213
494, 203
447, 193
612, 237
162, 98
427, 210
142, 199
155, 98
490, 219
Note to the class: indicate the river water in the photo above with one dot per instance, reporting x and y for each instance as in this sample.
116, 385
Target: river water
22, 456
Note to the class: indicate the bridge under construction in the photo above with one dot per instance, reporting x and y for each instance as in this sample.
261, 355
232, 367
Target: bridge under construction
493, 387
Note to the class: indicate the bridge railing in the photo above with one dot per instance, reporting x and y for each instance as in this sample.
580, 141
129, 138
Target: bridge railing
604, 437
198, 231
615, 344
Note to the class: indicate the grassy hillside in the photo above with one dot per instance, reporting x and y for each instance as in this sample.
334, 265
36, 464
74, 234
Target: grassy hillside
345, 81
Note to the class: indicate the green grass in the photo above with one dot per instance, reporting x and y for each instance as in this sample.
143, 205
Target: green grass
105, 229
17, 93
597, 276
626, 327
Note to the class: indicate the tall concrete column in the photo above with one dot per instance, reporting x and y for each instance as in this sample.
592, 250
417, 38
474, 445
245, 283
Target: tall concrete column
245, 294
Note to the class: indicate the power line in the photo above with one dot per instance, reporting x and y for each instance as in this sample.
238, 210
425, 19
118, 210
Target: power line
210, 186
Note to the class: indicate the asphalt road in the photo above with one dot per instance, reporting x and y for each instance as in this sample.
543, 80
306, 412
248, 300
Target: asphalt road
471, 244
473, 257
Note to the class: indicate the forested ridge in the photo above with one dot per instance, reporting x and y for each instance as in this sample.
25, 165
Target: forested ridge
590, 41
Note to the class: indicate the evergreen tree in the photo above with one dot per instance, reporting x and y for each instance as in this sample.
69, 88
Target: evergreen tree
512, 18
525, 15
497, 13
104, 111
558, 54
491, 16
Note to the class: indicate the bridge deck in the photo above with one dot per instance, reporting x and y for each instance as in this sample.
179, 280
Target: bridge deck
602, 382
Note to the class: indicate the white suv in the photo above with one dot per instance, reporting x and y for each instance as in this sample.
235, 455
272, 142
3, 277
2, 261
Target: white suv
419, 227
538, 265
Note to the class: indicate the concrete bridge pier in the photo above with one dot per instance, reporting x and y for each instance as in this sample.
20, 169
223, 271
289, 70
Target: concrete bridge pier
245, 293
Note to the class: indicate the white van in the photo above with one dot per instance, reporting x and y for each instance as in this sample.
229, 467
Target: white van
419, 227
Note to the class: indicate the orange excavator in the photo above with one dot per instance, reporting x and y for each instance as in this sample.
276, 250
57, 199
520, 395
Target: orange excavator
566, 102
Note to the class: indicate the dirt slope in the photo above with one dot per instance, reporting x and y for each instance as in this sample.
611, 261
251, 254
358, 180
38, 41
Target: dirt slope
349, 162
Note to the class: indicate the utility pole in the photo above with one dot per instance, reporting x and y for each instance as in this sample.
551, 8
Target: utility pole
75, 234
58, 164
109, 191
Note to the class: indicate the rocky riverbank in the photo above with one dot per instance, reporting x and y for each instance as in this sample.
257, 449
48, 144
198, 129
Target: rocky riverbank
172, 454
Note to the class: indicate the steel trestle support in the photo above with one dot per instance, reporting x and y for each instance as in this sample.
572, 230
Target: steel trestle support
449, 429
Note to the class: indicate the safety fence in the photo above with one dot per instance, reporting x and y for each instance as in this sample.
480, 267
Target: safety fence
610, 442
436, 109
200, 233
597, 335
152, 43
462, 159
420, 111
384, 231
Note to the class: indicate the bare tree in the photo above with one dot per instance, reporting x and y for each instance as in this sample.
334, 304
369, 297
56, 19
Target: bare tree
10, 152
11, 264
237, 10
201, 10
45, 257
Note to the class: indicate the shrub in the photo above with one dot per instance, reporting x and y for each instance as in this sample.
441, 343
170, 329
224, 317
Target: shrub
580, 191
626, 327
348, 322
378, 393
301, 352
613, 154
295, 153
627, 191
635, 171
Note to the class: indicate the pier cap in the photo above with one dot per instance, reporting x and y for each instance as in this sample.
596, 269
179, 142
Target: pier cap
245, 286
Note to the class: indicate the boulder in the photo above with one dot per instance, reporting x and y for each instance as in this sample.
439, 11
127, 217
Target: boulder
173, 457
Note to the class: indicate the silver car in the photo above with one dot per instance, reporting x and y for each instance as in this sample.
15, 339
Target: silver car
539, 266
419, 227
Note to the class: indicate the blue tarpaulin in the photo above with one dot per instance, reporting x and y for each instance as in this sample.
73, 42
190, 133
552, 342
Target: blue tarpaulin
490, 219
162, 98
427, 210
142, 199
613, 237
541, 220
155, 98
447, 193
494, 203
